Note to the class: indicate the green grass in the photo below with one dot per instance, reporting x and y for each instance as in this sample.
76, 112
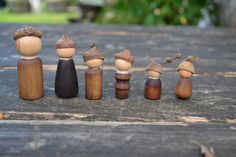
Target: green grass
42, 18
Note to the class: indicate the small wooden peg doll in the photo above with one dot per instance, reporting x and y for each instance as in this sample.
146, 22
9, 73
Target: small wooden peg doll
93, 75
123, 62
66, 83
30, 71
184, 85
153, 85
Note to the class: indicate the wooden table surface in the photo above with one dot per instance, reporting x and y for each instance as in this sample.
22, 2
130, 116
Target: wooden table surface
134, 127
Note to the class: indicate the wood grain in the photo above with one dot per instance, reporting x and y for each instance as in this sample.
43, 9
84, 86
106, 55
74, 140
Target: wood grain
93, 83
66, 83
30, 79
122, 85
184, 88
152, 89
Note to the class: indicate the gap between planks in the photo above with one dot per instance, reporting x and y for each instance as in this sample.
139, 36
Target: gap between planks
48, 67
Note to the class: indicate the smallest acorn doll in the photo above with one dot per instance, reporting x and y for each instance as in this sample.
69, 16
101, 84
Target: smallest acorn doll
184, 85
123, 62
94, 74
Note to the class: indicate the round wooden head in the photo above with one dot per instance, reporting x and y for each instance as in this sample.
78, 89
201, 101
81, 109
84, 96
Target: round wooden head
65, 47
124, 60
93, 58
154, 70
186, 69
28, 41
185, 74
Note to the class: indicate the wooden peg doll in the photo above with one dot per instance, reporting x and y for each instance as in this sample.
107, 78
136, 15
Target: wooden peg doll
66, 83
184, 85
153, 85
29, 67
93, 74
123, 62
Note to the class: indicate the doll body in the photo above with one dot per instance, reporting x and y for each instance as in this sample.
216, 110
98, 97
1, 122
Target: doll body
66, 83
153, 89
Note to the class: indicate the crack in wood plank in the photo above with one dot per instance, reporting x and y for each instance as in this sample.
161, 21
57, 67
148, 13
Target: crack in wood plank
94, 123
47, 67
53, 68
194, 119
16, 115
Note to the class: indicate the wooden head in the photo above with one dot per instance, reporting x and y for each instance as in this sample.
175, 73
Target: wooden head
185, 73
124, 60
65, 47
93, 58
154, 70
186, 68
28, 41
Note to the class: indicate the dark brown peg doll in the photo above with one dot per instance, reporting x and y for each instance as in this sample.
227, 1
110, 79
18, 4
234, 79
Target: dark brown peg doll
29, 67
66, 83
123, 62
93, 74
184, 85
153, 87
153, 82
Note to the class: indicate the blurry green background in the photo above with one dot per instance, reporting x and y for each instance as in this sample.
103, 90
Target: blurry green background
145, 12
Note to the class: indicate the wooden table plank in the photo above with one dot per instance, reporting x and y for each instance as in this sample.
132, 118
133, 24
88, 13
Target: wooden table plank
57, 138
213, 99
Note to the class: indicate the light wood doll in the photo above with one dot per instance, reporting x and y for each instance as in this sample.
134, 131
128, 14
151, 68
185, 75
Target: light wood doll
93, 74
184, 85
29, 67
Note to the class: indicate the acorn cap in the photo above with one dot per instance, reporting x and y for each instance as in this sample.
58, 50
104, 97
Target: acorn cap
27, 31
185, 65
155, 67
125, 55
65, 42
93, 53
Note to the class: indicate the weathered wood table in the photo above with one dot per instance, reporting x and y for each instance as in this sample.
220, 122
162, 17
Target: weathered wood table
134, 127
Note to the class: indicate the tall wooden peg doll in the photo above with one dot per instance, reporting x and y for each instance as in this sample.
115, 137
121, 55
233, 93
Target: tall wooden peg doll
184, 85
123, 62
153, 87
30, 71
93, 75
66, 83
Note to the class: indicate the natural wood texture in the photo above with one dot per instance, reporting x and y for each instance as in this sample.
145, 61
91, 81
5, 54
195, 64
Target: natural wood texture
66, 83
93, 83
28, 46
66, 53
152, 89
122, 85
94, 63
104, 139
30, 78
184, 88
